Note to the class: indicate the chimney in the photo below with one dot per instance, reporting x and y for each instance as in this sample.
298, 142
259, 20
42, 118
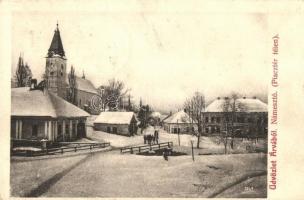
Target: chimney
226, 98
244, 97
218, 98
254, 97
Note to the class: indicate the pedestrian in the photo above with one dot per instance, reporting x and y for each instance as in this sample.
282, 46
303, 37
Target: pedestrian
165, 154
231, 143
156, 136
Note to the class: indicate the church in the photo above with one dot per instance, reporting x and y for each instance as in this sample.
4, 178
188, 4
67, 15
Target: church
65, 85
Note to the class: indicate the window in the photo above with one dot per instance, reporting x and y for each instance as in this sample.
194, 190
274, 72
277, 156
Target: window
240, 119
212, 119
207, 130
108, 129
206, 119
212, 129
218, 120
114, 129
62, 66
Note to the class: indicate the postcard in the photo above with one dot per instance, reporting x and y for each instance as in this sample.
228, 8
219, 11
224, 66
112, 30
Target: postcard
152, 99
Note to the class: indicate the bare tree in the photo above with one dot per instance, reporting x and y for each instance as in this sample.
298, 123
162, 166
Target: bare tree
23, 74
113, 93
194, 108
72, 86
230, 107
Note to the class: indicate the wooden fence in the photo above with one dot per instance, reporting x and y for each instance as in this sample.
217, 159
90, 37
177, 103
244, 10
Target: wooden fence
70, 147
145, 148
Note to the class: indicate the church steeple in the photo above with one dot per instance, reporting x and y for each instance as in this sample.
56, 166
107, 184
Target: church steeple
55, 68
56, 47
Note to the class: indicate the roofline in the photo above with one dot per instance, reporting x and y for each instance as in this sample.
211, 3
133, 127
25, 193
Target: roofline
44, 116
237, 112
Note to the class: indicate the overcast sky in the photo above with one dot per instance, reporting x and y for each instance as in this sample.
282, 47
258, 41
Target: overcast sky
162, 56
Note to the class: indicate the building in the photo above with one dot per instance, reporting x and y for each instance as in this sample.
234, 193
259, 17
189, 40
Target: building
122, 123
57, 78
39, 114
85, 90
249, 118
179, 122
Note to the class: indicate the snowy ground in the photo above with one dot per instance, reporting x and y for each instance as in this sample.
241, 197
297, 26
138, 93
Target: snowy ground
111, 174
125, 175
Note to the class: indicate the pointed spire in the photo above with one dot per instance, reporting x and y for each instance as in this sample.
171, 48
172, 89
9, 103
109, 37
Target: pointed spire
56, 44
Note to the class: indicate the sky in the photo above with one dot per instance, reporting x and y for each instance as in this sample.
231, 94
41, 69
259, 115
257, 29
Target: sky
163, 57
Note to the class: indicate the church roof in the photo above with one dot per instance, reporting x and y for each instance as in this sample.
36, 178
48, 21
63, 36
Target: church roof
242, 105
85, 85
114, 118
29, 103
56, 47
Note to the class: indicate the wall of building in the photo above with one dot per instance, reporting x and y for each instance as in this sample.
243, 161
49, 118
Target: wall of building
122, 129
83, 97
27, 128
183, 127
51, 129
253, 123
56, 79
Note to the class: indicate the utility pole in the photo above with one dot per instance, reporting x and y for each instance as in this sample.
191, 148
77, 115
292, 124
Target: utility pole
178, 133
192, 150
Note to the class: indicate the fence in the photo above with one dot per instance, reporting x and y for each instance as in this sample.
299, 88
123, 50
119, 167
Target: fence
74, 147
144, 148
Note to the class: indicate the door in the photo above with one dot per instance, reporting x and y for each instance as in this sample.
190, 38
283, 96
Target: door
35, 130
81, 130
115, 130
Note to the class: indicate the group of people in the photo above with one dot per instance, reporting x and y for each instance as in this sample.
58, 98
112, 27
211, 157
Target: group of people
151, 138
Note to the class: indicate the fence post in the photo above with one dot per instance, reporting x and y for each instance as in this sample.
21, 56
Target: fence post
131, 150
139, 149
47, 152
90, 147
75, 149
61, 150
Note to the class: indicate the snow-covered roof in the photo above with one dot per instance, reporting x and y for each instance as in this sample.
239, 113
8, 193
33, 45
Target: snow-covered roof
179, 117
156, 114
114, 118
26, 102
242, 105
83, 85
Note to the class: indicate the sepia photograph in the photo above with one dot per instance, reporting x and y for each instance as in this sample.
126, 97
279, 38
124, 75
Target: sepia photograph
142, 101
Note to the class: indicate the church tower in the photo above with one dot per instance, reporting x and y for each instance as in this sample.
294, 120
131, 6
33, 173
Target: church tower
55, 69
